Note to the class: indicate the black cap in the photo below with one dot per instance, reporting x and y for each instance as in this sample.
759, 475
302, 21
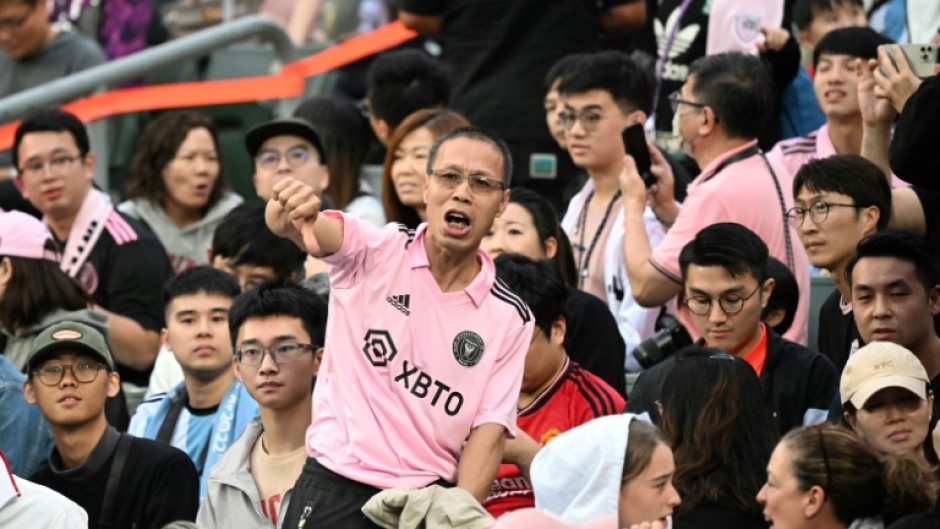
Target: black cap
283, 127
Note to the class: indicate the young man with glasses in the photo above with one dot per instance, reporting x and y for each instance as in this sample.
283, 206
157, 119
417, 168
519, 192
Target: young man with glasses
425, 346
838, 201
283, 148
726, 286
206, 412
117, 259
720, 110
601, 94
278, 334
120, 480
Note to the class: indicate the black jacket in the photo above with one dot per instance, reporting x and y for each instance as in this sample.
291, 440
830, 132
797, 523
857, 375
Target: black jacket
798, 384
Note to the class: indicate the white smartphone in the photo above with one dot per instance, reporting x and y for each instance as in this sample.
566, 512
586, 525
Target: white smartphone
920, 57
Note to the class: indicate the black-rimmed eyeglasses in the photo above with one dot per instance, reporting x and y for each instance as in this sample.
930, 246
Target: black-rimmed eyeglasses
282, 353
730, 303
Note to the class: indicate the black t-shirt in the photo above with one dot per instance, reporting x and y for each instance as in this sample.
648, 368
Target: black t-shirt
158, 484
930, 202
593, 340
838, 335
127, 278
499, 52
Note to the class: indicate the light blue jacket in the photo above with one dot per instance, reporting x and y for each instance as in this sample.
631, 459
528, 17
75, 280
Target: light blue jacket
235, 412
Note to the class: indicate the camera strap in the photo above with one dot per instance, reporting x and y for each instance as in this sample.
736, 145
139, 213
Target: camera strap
114, 478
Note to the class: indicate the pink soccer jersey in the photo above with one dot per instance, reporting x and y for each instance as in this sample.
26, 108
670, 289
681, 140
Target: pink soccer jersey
409, 370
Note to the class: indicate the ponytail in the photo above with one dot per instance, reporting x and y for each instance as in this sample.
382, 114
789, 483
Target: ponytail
908, 486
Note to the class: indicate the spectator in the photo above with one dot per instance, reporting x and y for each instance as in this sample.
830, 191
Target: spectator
886, 396
557, 394
617, 464
838, 201
152, 483
204, 414
287, 148
507, 49
438, 274
895, 287
823, 476
287, 323
726, 265
345, 137
244, 248
36, 293
814, 19
778, 314
401, 83
721, 433
26, 504
177, 186
117, 260
554, 106
405, 170
529, 226
35, 52
603, 94
121, 27
26, 440
719, 113
837, 92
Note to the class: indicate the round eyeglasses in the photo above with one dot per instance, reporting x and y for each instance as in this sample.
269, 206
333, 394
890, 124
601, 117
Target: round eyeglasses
83, 372
818, 211
729, 303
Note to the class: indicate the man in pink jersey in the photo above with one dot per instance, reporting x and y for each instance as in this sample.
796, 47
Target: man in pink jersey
425, 347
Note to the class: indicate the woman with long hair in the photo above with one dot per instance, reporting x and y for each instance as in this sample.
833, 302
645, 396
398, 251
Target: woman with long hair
824, 477
406, 162
177, 186
722, 434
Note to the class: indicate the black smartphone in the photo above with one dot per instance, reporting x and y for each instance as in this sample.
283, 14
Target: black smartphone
634, 142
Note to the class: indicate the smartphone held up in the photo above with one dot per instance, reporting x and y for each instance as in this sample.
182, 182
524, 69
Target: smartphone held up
634, 142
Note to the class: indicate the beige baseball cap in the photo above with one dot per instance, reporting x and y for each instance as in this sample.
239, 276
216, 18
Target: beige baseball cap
881, 365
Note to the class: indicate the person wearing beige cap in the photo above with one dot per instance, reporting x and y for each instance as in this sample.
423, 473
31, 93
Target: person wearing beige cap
886, 398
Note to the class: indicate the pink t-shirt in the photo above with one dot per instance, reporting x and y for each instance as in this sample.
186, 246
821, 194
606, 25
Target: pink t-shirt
409, 370
742, 192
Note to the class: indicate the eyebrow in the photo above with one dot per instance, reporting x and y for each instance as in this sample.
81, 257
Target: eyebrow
279, 338
893, 284
53, 152
193, 312
592, 106
732, 290
472, 171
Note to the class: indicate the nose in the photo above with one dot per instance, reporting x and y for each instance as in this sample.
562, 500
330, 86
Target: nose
882, 308
762, 495
463, 192
716, 313
673, 499
202, 327
268, 365
282, 164
68, 377
494, 244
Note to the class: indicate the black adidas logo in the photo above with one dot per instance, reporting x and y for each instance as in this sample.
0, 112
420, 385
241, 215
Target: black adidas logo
402, 303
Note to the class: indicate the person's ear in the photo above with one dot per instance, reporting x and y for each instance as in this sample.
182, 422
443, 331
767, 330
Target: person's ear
709, 121
551, 247
317, 360
6, 271
813, 501
502, 203
851, 420
90, 163
164, 335
870, 217
774, 317
559, 329
28, 394
381, 129
237, 369
114, 383
933, 300
766, 290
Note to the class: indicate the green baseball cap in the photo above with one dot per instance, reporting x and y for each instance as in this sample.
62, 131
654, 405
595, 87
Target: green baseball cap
72, 335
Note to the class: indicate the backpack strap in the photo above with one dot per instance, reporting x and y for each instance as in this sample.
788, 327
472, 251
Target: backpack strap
114, 479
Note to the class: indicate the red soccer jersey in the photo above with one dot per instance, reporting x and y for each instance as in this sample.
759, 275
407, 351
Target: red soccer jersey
575, 398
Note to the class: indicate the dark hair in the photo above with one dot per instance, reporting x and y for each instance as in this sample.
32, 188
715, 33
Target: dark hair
538, 284
402, 82
158, 146
200, 279
51, 120
738, 88
546, 225
720, 428
614, 72
729, 245
244, 237
859, 42
785, 296
804, 11
345, 136
476, 134
291, 301
850, 175
641, 443
918, 521
562, 68
899, 245
858, 483
438, 122
38, 288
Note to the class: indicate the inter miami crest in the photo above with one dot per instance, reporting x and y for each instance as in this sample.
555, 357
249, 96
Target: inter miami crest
468, 348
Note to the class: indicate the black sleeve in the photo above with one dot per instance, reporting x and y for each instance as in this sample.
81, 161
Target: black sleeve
824, 383
173, 492
593, 340
134, 279
913, 154
784, 64
422, 7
